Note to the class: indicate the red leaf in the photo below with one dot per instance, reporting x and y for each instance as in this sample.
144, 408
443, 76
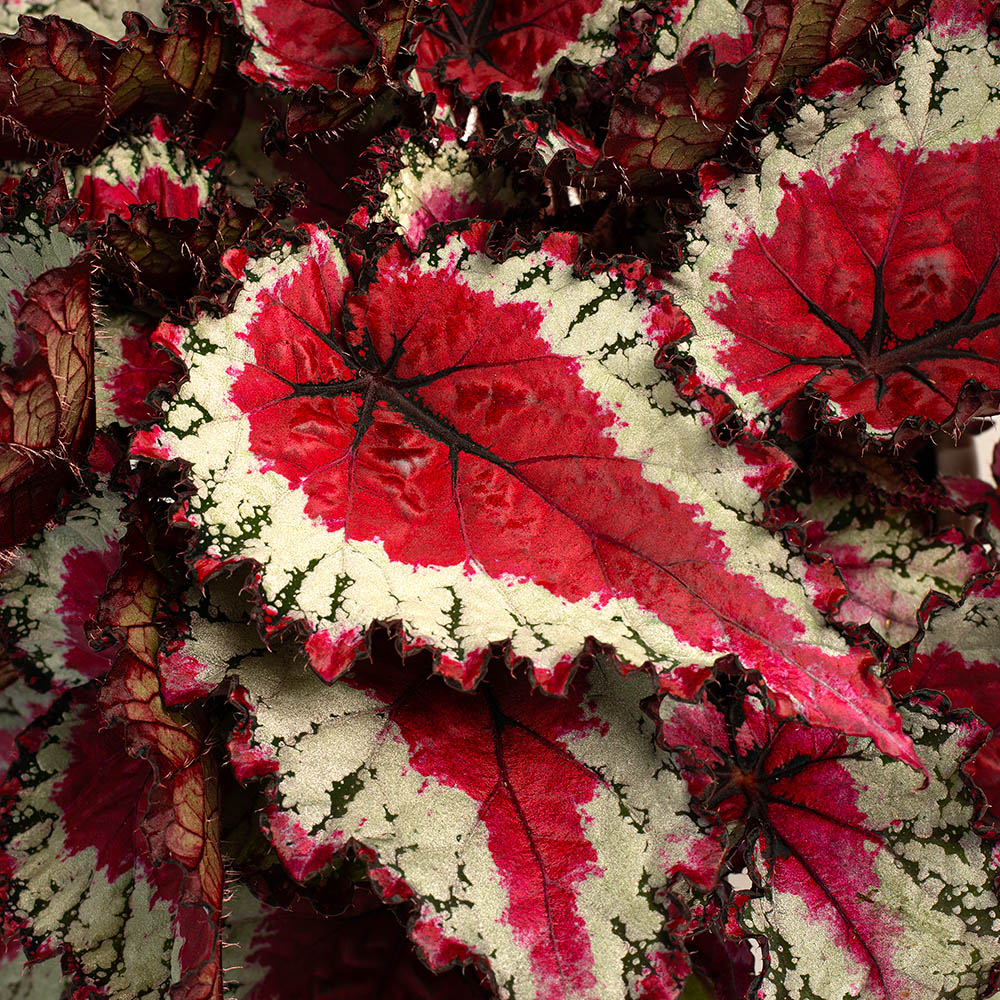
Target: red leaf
848, 850
397, 435
892, 319
504, 815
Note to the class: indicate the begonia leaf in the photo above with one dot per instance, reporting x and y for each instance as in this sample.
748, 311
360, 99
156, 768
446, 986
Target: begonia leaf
65, 86
46, 402
441, 181
150, 170
20, 706
50, 590
958, 655
868, 885
101, 16
382, 458
77, 873
680, 115
129, 367
357, 953
530, 833
477, 44
891, 318
299, 44
181, 821
895, 567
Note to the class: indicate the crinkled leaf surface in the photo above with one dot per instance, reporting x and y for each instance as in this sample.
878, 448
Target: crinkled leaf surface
78, 874
63, 85
487, 452
47, 401
682, 114
530, 832
869, 885
50, 591
890, 560
102, 16
893, 315
301, 43
959, 656
476, 43
360, 953
147, 170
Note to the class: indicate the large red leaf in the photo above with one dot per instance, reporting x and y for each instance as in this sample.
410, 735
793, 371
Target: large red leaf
487, 452
862, 888
532, 833
47, 401
891, 319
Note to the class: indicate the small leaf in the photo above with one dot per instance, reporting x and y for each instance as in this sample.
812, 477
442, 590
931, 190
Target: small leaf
46, 402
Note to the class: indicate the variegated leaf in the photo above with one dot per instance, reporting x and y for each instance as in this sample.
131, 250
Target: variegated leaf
76, 872
440, 181
50, 591
532, 834
959, 655
891, 319
895, 567
487, 452
868, 884
147, 170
